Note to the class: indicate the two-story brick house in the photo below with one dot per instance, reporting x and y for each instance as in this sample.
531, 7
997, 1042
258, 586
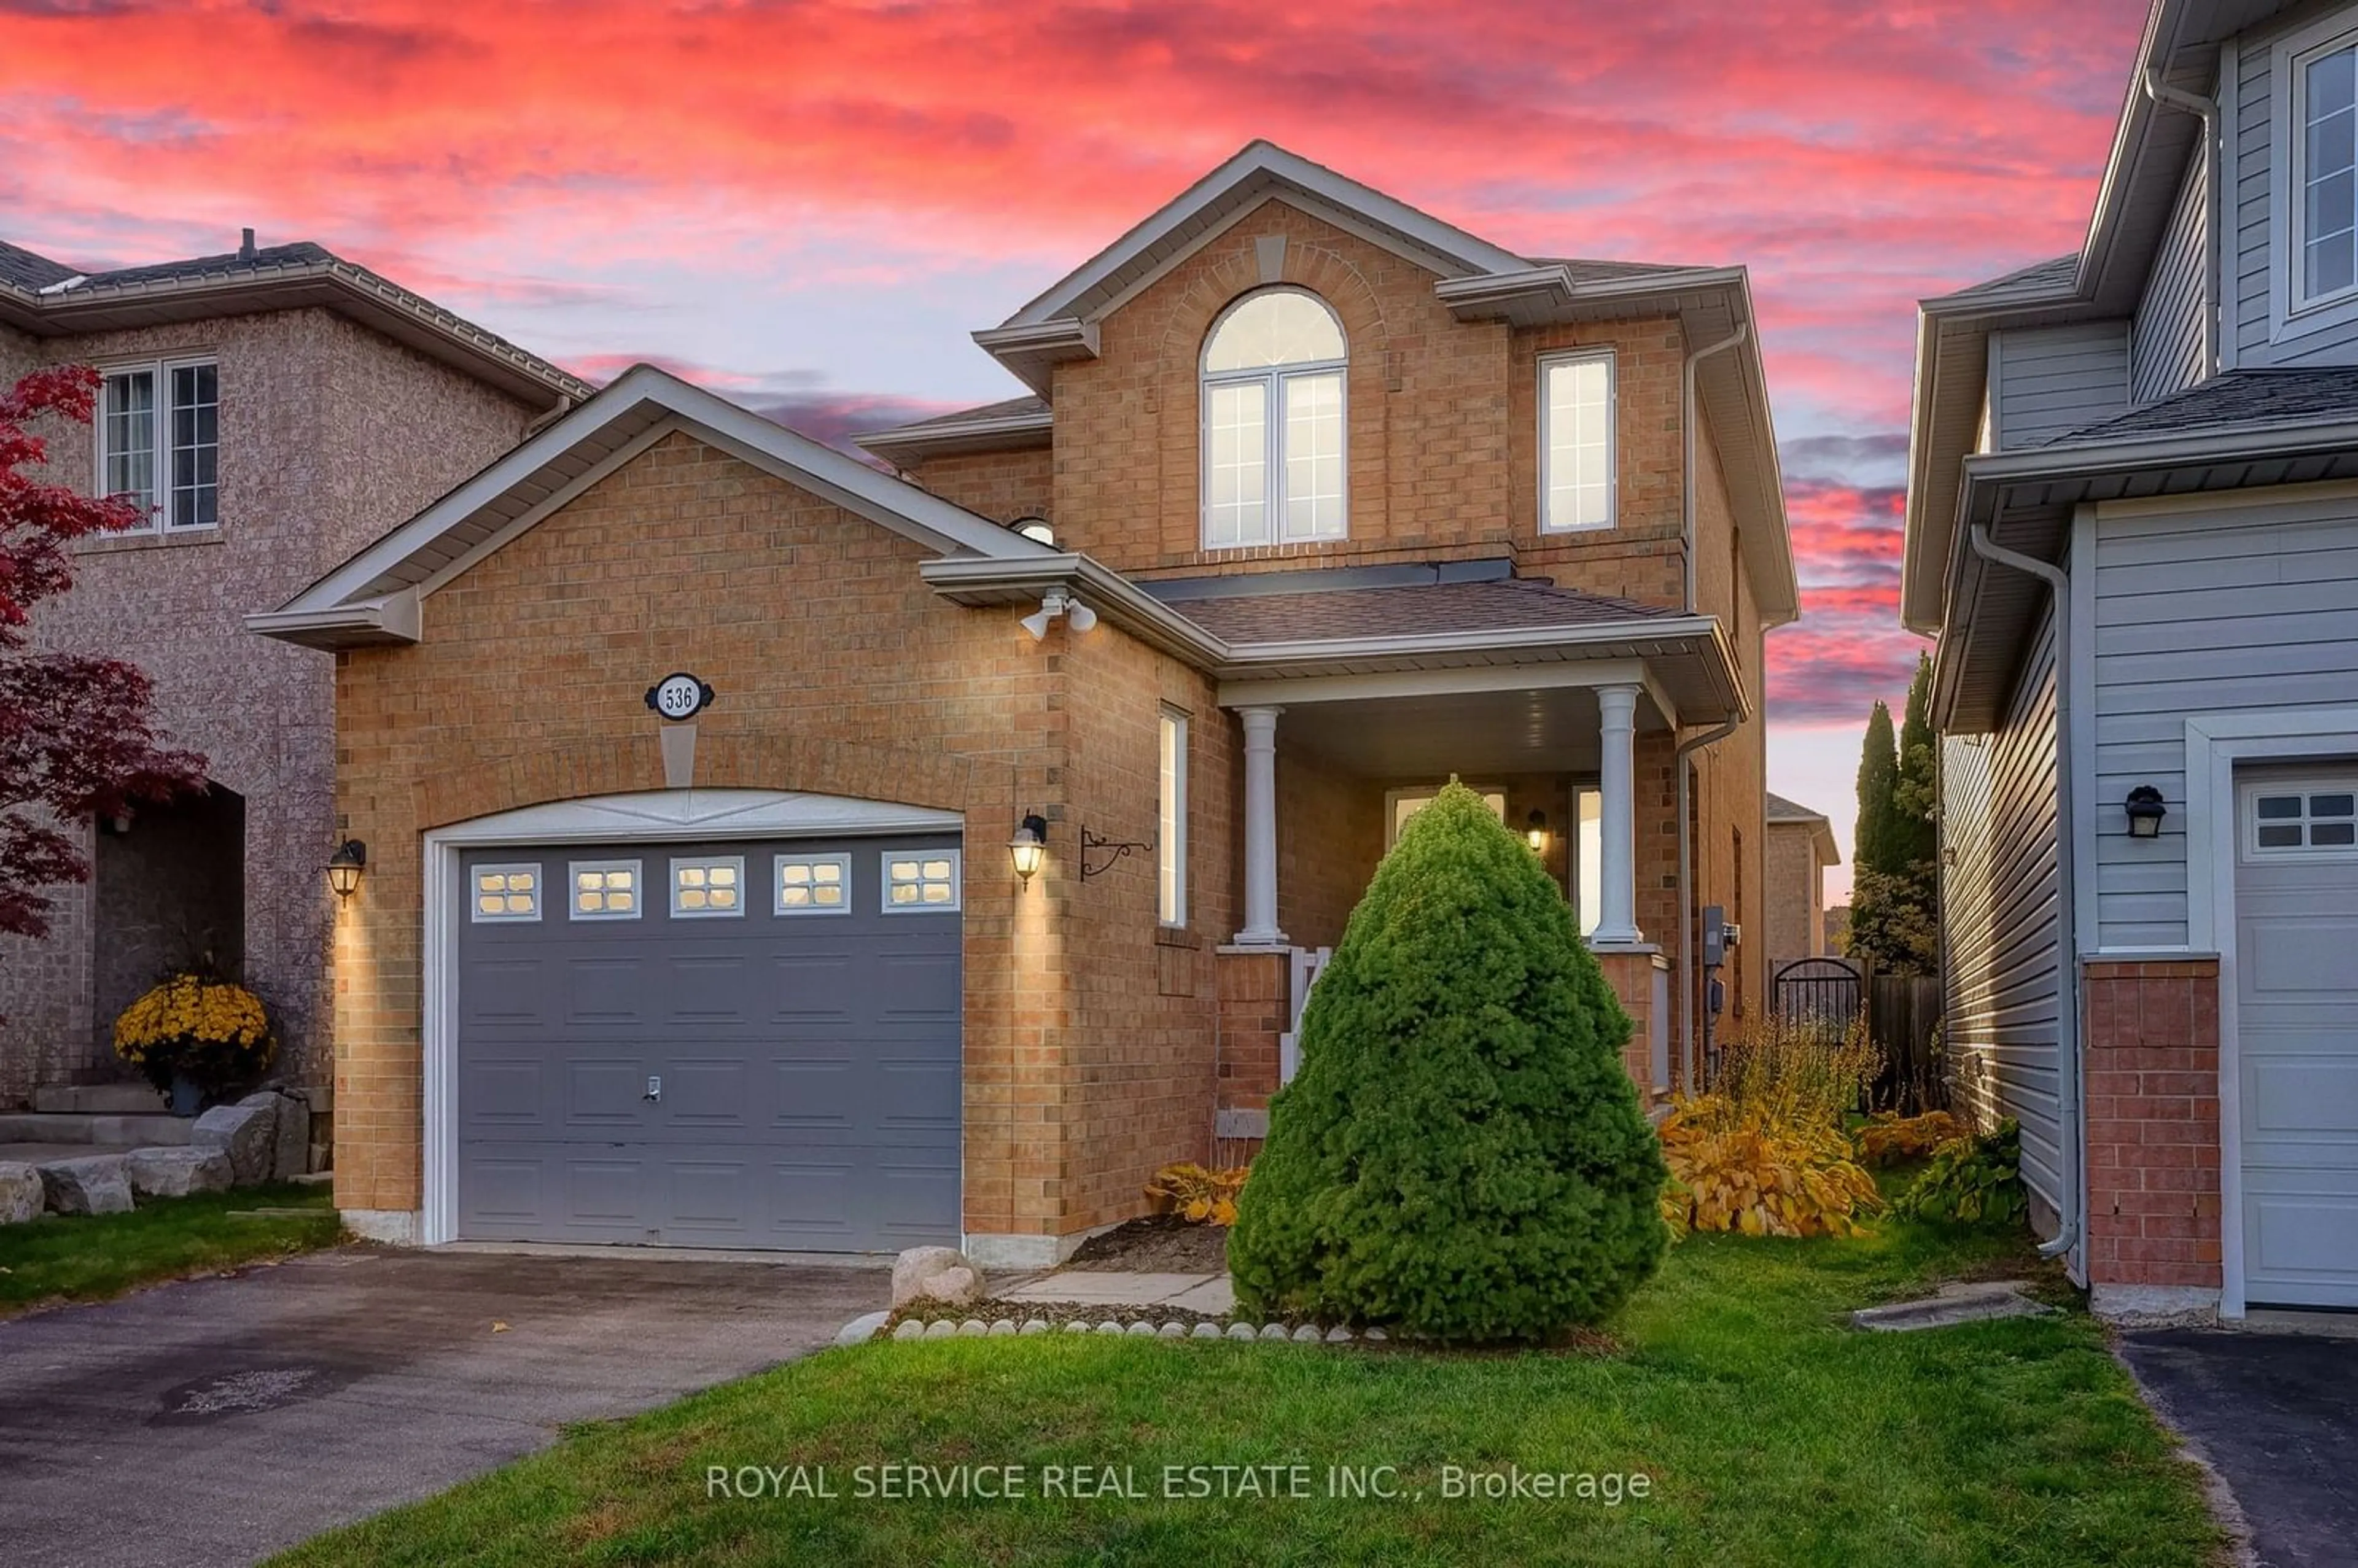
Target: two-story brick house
1034, 773
2132, 524
271, 410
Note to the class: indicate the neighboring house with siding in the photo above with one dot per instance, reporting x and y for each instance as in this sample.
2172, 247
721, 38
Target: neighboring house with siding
2133, 526
270, 409
1315, 500
1801, 846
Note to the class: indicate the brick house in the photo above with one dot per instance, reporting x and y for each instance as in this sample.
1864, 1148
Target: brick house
274, 408
2133, 526
1800, 846
1317, 502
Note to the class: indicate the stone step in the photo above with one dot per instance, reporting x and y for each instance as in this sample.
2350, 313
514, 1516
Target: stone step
101, 1099
125, 1131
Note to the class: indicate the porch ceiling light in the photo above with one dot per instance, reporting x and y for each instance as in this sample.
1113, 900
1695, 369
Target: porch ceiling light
1029, 845
1536, 833
1055, 602
344, 867
2146, 812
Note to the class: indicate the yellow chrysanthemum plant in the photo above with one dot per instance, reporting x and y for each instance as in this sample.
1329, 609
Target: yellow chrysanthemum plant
199, 1027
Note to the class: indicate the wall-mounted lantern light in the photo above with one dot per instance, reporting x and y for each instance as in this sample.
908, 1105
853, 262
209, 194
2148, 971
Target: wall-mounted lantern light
1029, 845
2146, 812
344, 867
1535, 832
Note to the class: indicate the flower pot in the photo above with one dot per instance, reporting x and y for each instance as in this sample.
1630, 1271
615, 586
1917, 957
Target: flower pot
187, 1094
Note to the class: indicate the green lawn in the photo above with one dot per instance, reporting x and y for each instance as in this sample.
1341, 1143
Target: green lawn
91, 1257
1769, 1433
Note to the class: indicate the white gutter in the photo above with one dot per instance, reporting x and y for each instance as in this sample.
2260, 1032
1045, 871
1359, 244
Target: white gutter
2207, 111
2071, 1134
1687, 456
1687, 1009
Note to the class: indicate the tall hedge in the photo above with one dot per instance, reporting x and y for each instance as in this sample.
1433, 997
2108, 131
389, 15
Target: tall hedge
1462, 1154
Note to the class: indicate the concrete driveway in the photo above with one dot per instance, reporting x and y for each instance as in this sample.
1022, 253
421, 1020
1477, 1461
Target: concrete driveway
218, 1420
2277, 1415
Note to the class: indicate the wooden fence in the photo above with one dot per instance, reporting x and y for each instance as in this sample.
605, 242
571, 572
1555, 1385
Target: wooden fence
1903, 1016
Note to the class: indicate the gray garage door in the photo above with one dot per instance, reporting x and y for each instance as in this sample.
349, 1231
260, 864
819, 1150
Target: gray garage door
2296, 1035
727, 1045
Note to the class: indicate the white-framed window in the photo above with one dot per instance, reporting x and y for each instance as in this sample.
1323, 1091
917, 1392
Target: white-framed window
1171, 818
1274, 468
2304, 819
919, 880
500, 895
1403, 803
159, 441
811, 884
1576, 448
705, 887
605, 890
2324, 182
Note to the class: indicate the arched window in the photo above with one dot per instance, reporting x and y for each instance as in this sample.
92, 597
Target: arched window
1273, 422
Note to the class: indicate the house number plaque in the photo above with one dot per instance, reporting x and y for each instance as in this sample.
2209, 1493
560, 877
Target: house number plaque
680, 696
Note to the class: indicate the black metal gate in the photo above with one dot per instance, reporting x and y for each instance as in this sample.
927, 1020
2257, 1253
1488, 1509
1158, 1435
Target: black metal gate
1819, 991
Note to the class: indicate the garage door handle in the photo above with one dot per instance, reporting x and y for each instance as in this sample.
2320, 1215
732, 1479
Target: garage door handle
654, 1090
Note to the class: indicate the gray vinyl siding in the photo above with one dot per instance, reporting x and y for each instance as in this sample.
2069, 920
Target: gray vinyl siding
2250, 607
2003, 975
2050, 381
2259, 233
2165, 352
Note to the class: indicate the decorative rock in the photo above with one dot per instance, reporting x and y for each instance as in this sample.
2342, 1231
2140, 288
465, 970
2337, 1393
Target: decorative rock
1034, 1326
973, 1328
1003, 1329
1141, 1330
246, 1133
22, 1196
1171, 1330
909, 1328
1338, 1334
861, 1329
1204, 1331
938, 1273
1243, 1331
943, 1329
1307, 1335
293, 1157
92, 1184
169, 1172
1274, 1330
1374, 1336
1109, 1326
1076, 1327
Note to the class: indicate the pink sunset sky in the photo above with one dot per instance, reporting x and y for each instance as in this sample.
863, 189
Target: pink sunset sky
808, 206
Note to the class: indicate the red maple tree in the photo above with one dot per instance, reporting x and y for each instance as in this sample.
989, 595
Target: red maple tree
78, 735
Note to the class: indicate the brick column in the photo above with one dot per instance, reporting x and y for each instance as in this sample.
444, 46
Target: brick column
1630, 972
2150, 1035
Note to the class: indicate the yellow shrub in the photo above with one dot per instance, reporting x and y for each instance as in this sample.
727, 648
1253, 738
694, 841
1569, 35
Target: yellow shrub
1889, 1136
1196, 1195
212, 1029
1736, 1169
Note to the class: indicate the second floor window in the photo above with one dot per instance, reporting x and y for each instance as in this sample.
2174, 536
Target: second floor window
1273, 469
159, 442
2326, 265
1576, 478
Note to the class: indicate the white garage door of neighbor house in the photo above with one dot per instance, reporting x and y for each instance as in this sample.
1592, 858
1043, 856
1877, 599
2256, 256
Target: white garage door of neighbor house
745, 1043
2297, 1034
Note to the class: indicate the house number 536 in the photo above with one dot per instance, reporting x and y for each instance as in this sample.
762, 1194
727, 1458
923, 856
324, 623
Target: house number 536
680, 696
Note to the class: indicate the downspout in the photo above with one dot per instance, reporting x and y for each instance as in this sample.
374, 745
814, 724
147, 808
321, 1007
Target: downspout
1687, 444
2207, 111
2073, 1131
558, 410
1689, 1013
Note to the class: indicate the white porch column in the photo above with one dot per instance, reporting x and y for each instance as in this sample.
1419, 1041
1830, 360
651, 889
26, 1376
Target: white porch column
1260, 828
1617, 921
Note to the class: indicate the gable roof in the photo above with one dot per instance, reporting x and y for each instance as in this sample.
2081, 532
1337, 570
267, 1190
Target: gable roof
373, 598
1784, 813
1779, 809
48, 298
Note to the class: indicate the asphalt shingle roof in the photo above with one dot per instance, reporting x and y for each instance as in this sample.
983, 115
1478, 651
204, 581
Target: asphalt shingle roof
27, 270
2039, 277
1500, 605
1779, 809
2239, 398
1009, 409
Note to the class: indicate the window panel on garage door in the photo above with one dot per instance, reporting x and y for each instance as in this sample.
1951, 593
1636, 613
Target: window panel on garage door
710, 1063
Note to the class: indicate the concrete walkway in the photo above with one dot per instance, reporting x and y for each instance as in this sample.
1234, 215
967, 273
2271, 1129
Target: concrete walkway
216, 1422
1210, 1294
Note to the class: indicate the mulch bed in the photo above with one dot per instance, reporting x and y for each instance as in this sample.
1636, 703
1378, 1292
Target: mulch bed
1158, 1244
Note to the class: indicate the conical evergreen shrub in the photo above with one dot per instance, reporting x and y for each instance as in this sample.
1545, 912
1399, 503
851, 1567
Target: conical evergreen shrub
1462, 1155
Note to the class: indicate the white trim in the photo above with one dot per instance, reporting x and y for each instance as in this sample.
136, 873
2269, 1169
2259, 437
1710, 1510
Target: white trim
653, 817
2236, 501
2079, 667
1612, 437
1457, 681
2290, 314
2226, 158
1171, 827
160, 455
778, 904
1273, 380
638, 889
2247, 834
708, 864
884, 859
2215, 744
